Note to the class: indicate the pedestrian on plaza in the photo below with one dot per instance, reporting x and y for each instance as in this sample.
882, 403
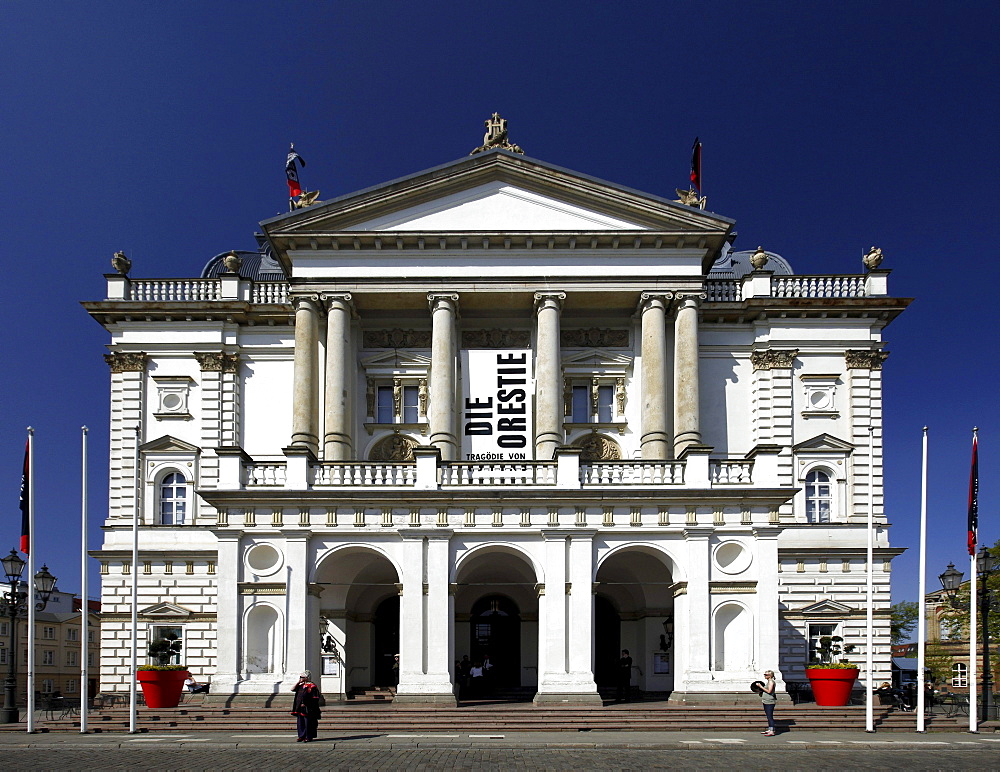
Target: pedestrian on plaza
305, 708
624, 677
768, 700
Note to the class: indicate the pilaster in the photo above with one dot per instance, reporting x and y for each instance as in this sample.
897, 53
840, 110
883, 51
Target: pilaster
229, 628
128, 401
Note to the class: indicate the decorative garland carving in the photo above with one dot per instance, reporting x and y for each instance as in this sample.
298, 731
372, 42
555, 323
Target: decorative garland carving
126, 361
773, 359
870, 360
218, 362
496, 338
597, 447
395, 447
593, 336
396, 338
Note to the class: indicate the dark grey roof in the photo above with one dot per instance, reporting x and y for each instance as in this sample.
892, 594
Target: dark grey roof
256, 266
736, 265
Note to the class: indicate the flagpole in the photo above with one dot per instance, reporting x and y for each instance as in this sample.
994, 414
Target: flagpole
973, 590
922, 591
84, 601
134, 661
870, 619
31, 581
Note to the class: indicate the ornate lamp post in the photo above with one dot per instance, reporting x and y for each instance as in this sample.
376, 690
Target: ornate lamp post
13, 604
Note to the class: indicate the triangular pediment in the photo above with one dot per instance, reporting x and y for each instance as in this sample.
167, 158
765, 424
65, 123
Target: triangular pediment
824, 443
495, 192
595, 359
826, 607
400, 358
168, 444
166, 611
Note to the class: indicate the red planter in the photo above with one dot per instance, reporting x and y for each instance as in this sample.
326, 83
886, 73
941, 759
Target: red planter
832, 686
162, 688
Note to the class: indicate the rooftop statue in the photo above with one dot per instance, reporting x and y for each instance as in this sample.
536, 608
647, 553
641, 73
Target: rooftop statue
496, 137
691, 198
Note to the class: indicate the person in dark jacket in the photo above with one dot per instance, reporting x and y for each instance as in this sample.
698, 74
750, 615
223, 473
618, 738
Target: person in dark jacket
305, 708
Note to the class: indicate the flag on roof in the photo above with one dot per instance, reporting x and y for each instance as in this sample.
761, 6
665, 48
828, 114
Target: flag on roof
974, 496
696, 164
294, 189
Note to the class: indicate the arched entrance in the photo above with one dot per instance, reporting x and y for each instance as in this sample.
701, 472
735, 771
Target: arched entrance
359, 619
495, 632
634, 604
496, 613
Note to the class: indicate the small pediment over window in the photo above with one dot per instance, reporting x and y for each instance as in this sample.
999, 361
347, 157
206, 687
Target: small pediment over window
166, 611
826, 608
396, 359
168, 444
595, 360
824, 443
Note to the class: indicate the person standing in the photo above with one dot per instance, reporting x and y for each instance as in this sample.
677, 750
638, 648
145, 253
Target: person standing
768, 700
305, 707
624, 677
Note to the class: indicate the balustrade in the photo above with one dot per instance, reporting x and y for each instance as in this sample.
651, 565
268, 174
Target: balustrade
463, 473
730, 472
632, 473
265, 475
364, 473
269, 292
818, 286
724, 291
159, 290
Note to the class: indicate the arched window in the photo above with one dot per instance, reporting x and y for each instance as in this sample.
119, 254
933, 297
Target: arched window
819, 496
960, 674
173, 499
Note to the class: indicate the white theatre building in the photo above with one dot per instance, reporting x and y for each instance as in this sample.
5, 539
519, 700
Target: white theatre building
496, 406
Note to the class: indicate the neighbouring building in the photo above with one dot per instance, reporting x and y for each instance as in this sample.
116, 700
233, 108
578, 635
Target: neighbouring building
948, 650
59, 636
498, 407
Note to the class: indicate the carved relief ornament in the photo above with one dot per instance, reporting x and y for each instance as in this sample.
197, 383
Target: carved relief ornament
395, 447
773, 359
217, 361
868, 360
126, 361
593, 336
597, 447
496, 338
396, 338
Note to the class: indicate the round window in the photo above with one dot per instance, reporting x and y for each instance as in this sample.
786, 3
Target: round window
263, 559
171, 401
731, 557
819, 400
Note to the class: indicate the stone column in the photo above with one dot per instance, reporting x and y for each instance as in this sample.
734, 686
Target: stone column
339, 375
229, 621
548, 375
441, 412
304, 387
687, 430
424, 621
655, 439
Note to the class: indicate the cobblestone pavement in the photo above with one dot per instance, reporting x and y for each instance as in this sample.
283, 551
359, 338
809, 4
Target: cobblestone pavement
300, 758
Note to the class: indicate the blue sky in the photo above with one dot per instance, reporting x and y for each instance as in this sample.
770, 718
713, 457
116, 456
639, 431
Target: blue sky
161, 128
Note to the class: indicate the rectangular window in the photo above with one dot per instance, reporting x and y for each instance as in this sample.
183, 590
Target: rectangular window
91, 659
383, 410
581, 405
411, 405
71, 686
48, 658
3, 656
49, 633
5, 629
72, 658
818, 631
48, 686
605, 404
72, 634
170, 633
90, 636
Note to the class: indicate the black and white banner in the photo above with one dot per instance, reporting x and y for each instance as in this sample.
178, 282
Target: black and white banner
496, 417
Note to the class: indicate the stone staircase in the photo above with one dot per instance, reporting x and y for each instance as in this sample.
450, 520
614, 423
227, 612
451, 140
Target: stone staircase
373, 716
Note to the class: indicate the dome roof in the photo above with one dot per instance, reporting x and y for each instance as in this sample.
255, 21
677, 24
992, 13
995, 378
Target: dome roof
736, 265
256, 266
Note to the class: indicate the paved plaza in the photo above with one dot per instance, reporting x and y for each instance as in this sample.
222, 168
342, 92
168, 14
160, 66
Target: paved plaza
605, 750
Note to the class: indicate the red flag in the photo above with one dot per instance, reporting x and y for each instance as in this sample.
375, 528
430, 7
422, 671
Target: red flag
696, 165
974, 496
25, 493
294, 189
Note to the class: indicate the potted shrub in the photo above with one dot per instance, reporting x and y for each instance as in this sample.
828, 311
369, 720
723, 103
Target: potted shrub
162, 683
831, 676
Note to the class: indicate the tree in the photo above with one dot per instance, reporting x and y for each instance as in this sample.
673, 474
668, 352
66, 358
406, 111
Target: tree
903, 618
938, 661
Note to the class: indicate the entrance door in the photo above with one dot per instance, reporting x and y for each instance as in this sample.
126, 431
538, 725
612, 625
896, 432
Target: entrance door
385, 642
495, 630
607, 642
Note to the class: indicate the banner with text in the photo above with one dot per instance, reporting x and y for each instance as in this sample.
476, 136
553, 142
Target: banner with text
496, 417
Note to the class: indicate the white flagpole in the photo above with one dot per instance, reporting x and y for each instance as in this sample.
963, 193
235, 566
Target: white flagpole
870, 620
922, 591
973, 632
31, 580
132, 717
84, 600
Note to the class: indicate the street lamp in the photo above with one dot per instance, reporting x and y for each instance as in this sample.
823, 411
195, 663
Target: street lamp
13, 604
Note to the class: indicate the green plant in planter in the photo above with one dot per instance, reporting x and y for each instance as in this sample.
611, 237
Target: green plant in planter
827, 653
161, 650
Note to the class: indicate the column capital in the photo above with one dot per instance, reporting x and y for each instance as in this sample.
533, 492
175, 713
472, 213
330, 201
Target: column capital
218, 361
447, 300
126, 361
309, 300
649, 300
689, 299
343, 299
549, 300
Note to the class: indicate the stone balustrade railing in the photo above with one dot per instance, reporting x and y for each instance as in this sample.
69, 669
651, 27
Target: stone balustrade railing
500, 474
158, 290
723, 291
730, 472
265, 475
361, 473
632, 473
269, 292
818, 286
